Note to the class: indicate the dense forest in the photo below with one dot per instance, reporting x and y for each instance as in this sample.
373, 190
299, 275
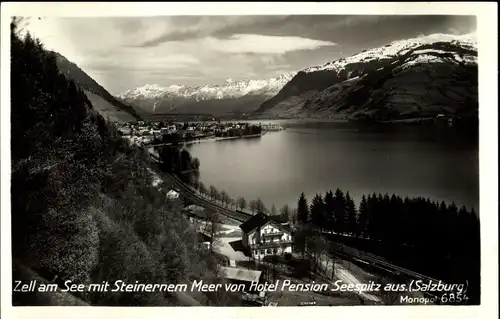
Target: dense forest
83, 208
438, 240
176, 159
244, 131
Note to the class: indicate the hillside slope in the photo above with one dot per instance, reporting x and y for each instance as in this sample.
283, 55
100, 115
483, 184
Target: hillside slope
108, 110
34, 298
106, 104
231, 97
83, 204
411, 78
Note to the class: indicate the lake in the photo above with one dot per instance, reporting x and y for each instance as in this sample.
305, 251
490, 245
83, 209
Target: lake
314, 157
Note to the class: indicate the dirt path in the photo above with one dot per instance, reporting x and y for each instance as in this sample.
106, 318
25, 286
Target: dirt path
346, 276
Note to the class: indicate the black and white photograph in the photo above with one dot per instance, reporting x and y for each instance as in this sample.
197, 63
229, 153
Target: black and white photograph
245, 160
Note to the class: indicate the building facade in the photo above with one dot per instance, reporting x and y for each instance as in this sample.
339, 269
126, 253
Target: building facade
266, 235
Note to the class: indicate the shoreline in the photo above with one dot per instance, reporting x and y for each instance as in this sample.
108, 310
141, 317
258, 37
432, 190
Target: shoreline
323, 120
236, 137
211, 139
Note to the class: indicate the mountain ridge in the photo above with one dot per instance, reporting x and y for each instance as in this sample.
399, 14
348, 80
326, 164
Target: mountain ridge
232, 96
108, 105
406, 78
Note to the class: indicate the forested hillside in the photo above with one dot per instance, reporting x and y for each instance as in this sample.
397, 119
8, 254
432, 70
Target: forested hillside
83, 208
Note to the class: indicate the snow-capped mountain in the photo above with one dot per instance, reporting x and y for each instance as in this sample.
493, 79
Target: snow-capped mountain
398, 48
242, 96
407, 78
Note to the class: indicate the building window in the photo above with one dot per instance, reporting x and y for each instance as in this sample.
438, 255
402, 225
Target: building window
262, 252
275, 251
268, 251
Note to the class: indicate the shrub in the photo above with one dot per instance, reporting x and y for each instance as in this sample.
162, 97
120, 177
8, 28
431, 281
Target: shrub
66, 244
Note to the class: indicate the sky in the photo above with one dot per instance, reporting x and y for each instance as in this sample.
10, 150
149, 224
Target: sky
126, 52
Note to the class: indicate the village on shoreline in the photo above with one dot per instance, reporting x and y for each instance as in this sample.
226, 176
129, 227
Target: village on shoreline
142, 133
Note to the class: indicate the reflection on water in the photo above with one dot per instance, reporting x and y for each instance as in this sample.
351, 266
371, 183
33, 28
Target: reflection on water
313, 158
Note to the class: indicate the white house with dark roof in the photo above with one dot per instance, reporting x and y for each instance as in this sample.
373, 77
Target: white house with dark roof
265, 235
240, 275
172, 194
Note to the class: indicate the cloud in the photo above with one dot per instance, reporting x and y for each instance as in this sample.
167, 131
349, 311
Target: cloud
184, 77
270, 60
123, 52
279, 67
133, 61
264, 44
183, 28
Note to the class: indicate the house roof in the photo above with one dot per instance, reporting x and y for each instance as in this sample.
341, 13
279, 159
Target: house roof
196, 211
240, 274
201, 214
285, 228
277, 218
203, 237
255, 221
260, 220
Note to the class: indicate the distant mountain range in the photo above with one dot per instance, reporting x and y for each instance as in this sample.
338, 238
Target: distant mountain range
231, 97
109, 106
411, 78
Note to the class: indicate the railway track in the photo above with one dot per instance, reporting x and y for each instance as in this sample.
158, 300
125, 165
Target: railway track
189, 193
195, 198
377, 260
353, 254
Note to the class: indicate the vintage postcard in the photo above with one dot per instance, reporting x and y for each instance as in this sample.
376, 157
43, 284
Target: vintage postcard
218, 155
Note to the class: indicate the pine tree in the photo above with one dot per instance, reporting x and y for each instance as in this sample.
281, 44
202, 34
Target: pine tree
261, 208
452, 223
405, 222
302, 210
397, 216
294, 218
443, 226
285, 213
351, 215
317, 211
273, 210
471, 260
363, 217
372, 213
461, 228
340, 211
329, 211
387, 221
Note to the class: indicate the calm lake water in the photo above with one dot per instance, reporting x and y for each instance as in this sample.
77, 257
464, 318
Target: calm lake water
316, 157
